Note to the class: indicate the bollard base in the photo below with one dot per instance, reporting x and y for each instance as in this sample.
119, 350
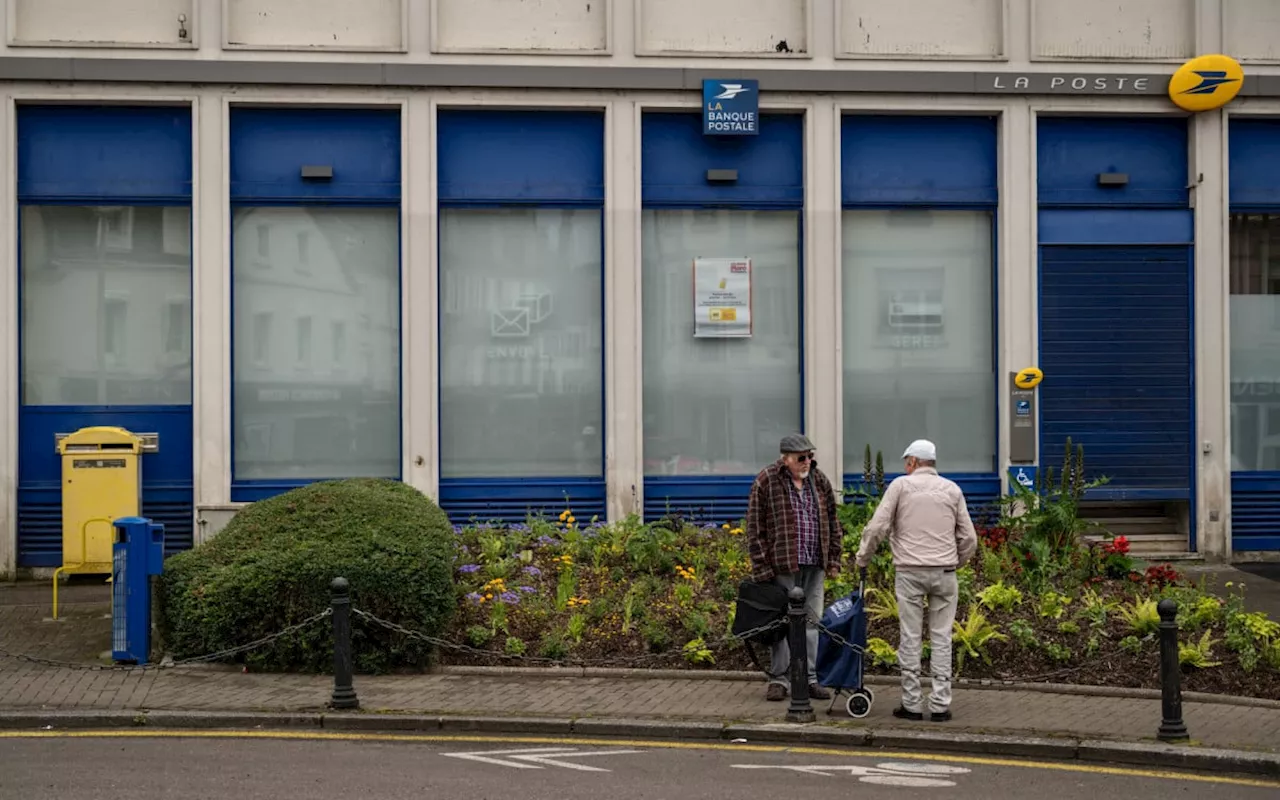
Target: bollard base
801, 716
1173, 733
345, 700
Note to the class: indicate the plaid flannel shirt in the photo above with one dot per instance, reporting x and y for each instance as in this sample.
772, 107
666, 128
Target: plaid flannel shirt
773, 536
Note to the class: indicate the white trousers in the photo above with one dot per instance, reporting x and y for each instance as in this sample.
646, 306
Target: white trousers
913, 585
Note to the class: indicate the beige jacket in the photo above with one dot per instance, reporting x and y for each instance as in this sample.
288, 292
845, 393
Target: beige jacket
927, 522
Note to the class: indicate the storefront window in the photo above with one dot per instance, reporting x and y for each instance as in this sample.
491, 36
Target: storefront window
719, 405
521, 338
306, 405
106, 298
1255, 342
917, 346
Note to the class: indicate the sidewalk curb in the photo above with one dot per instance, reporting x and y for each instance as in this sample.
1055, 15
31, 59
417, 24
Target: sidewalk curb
577, 673
1066, 748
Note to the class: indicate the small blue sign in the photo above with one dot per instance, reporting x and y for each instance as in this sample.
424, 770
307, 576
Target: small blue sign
730, 107
1024, 476
1022, 408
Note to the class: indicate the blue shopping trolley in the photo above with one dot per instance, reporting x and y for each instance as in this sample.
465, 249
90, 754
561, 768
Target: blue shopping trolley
841, 668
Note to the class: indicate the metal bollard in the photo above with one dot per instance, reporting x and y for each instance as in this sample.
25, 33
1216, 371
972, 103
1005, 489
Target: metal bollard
1172, 728
344, 692
800, 710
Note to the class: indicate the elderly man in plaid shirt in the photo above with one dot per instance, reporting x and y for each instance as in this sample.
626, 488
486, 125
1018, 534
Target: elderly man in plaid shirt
795, 540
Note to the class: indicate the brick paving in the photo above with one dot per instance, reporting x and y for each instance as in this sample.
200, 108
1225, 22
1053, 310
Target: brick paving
26, 686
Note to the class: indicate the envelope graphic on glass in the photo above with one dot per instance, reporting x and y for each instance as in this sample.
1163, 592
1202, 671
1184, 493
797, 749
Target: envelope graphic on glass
510, 322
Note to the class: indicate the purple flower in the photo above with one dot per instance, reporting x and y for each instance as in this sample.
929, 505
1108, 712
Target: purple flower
532, 572
547, 541
527, 589
474, 597
469, 568
509, 597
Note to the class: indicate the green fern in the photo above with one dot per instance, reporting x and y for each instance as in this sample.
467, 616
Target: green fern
1142, 617
1198, 655
882, 604
973, 637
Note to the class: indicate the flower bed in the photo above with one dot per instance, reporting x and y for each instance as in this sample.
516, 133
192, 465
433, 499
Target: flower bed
1037, 603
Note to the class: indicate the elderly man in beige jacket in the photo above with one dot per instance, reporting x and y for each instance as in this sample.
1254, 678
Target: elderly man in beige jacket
927, 522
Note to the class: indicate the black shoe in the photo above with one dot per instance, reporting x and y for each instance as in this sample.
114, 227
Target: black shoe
913, 716
940, 716
775, 693
819, 692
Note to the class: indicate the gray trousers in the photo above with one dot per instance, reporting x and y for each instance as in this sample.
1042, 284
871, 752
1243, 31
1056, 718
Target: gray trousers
813, 581
942, 591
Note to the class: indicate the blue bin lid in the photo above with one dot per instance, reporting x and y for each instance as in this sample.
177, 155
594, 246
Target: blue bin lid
132, 521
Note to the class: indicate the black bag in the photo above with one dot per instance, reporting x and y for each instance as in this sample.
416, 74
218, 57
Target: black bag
760, 604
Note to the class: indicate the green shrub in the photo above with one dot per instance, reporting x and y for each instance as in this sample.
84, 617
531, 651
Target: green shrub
272, 565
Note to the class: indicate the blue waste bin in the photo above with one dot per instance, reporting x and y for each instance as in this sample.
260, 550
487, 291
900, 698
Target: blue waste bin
137, 556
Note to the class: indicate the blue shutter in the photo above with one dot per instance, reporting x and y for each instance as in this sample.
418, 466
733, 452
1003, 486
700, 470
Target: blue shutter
1116, 350
1255, 511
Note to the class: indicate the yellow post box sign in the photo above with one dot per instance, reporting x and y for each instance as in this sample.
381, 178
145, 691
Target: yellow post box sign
1028, 378
1206, 83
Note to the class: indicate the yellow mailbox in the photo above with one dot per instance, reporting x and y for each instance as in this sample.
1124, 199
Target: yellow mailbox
101, 482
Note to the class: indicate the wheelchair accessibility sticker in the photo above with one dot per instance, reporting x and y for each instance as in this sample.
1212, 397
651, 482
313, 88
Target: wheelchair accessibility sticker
1024, 476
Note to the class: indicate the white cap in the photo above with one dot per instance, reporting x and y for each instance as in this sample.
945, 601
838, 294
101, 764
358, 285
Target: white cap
922, 449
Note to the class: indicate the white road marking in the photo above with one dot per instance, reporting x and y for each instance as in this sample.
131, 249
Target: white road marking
893, 773
536, 756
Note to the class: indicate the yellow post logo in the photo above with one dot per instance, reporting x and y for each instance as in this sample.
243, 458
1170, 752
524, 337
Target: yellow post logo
1206, 83
1028, 378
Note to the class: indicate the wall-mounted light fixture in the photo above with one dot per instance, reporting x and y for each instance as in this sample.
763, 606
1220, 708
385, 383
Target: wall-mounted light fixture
317, 172
1113, 179
722, 176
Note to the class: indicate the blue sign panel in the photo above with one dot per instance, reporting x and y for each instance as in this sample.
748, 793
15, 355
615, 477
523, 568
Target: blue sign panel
1023, 408
730, 107
1024, 477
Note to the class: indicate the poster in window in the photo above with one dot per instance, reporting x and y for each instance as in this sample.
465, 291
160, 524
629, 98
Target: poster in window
722, 298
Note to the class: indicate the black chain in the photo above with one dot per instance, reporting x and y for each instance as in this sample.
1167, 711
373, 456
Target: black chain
648, 658
204, 659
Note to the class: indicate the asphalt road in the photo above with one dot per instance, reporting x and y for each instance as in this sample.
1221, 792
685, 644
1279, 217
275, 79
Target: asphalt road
256, 766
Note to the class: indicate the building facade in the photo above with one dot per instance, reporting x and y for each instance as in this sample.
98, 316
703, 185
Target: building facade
486, 246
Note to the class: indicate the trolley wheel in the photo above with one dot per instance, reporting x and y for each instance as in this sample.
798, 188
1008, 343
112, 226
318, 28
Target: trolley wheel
859, 704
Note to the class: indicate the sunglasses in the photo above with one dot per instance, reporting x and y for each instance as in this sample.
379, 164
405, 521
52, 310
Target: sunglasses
804, 457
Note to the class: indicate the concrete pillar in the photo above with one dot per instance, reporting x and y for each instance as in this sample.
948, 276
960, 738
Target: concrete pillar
9, 380
1213, 347
419, 297
624, 423
1017, 259
211, 307
823, 364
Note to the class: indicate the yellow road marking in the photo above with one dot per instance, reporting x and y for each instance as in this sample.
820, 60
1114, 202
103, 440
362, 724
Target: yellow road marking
135, 733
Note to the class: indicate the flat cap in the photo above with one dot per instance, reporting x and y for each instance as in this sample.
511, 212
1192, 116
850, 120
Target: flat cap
796, 443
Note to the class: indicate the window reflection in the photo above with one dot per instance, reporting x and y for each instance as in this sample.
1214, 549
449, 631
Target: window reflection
521, 338
719, 406
100, 285
297, 273
917, 346
1255, 341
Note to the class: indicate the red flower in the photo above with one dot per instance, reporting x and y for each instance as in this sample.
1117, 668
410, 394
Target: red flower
1118, 546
